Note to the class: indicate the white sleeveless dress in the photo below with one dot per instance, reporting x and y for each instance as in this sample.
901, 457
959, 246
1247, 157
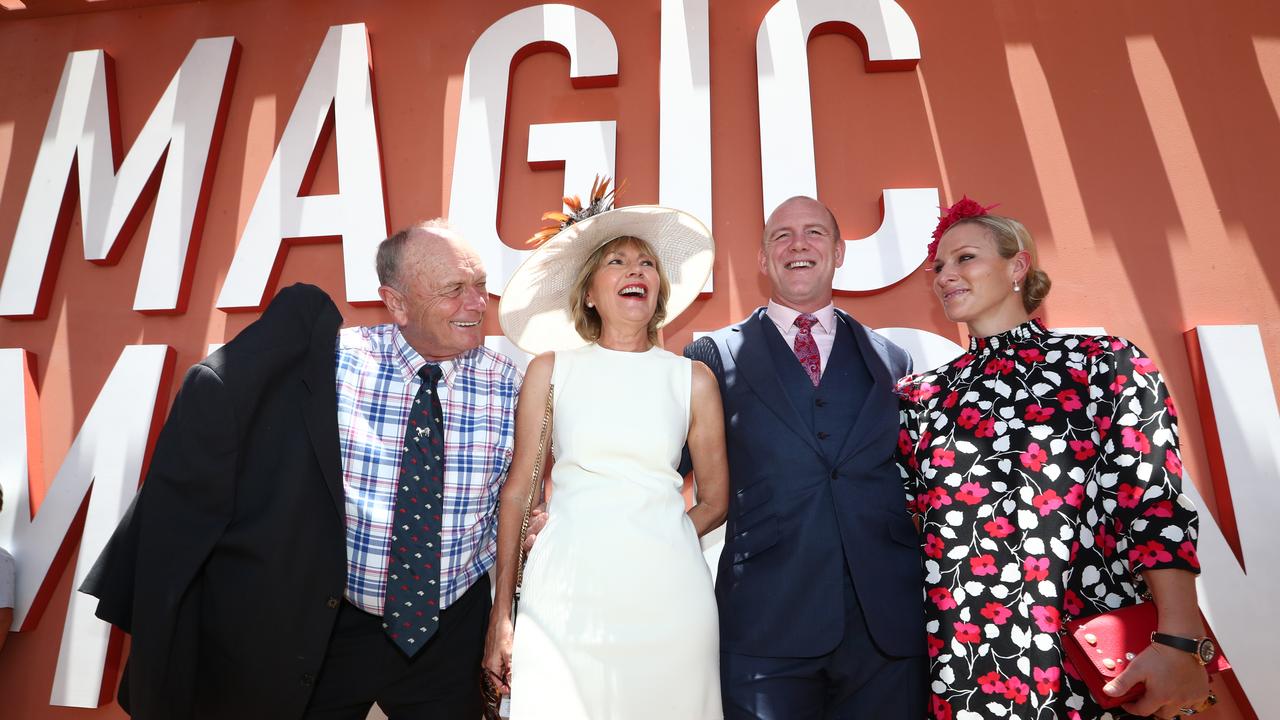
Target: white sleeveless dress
617, 614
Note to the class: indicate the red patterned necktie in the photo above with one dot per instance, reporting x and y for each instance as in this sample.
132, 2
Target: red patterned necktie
411, 609
806, 349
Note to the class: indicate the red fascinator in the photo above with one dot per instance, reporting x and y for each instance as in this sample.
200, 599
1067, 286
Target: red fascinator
962, 209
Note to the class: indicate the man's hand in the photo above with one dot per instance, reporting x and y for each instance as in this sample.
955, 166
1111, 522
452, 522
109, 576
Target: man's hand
1174, 680
537, 521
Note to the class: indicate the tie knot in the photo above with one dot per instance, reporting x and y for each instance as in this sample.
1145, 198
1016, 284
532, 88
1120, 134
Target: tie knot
431, 374
805, 321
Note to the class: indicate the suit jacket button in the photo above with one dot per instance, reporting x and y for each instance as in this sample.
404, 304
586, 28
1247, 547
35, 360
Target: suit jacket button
820, 402
332, 603
823, 435
308, 679
834, 474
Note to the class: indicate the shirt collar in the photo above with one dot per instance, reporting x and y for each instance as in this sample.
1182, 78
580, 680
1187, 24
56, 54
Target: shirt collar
785, 317
409, 362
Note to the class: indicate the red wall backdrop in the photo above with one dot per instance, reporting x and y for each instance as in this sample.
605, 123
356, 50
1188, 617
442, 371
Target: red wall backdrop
1148, 177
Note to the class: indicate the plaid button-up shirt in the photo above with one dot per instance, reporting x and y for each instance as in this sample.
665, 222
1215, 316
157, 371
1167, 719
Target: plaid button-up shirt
377, 381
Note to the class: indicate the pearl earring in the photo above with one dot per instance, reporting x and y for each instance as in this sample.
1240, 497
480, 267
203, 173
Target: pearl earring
1016, 286
590, 304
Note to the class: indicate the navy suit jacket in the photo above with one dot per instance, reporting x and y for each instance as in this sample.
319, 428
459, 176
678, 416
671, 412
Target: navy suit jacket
798, 520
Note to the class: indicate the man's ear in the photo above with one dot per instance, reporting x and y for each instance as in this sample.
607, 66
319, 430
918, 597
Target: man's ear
395, 303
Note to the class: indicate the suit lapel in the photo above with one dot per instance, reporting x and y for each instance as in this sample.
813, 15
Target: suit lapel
880, 403
322, 410
753, 361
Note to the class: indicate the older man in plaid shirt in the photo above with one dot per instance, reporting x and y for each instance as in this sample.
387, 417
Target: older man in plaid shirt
317, 523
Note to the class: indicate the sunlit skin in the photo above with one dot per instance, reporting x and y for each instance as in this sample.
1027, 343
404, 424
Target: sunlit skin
439, 296
975, 285
624, 290
800, 254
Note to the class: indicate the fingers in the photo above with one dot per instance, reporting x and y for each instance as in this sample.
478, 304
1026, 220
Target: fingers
1122, 684
530, 539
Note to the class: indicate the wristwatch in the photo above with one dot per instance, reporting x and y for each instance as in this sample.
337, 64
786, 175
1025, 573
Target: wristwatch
1203, 648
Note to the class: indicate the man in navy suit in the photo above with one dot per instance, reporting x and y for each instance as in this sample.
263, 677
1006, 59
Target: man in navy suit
819, 585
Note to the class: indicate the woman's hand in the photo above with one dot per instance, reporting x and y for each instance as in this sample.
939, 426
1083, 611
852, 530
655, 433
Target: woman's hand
1174, 680
497, 653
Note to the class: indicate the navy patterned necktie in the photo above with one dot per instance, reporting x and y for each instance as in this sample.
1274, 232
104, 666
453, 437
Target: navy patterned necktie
411, 608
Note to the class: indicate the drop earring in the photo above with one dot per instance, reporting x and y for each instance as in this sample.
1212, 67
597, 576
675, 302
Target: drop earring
1016, 286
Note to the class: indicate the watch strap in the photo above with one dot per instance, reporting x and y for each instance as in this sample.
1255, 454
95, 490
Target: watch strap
1177, 642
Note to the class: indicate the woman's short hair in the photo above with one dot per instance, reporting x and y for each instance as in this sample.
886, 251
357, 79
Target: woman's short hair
586, 320
1011, 236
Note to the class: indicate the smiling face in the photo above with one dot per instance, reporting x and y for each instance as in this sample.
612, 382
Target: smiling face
439, 296
975, 284
800, 254
626, 284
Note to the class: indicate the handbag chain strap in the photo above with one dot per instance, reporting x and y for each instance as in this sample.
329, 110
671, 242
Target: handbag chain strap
521, 555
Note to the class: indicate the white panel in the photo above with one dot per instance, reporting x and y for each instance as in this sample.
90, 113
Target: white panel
786, 130
587, 149
1236, 599
339, 78
107, 454
684, 111
928, 350
1081, 330
482, 117
79, 128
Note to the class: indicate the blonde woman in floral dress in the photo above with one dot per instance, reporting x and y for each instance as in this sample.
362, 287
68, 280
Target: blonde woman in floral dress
1044, 473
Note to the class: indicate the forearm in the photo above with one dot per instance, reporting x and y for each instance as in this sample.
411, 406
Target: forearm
706, 517
504, 569
1174, 592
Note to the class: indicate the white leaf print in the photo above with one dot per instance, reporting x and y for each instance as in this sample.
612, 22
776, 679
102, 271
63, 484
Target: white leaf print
999, 486
964, 614
970, 397
957, 648
955, 518
947, 675
1057, 446
984, 511
1108, 506
1033, 546
1007, 412
1047, 589
1144, 471
1076, 473
1124, 460
1040, 432
1010, 573
1127, 420
1014, 423
1059, 549
999, 592
1065, 533
960, 596
1172, 532
1003, 388
1001, 444
1050, 375
932, 626
968, 714
1024, 665
1052, 471
938, 686
1041, 389
978, 469
953, 480
1090, 576
947, 532
1107, 480
966, 447
931, 573
987, 543
997, 709
1028, 520
1135, 405
974, 588
1020, 637
1162, 436
958, 552
940, 422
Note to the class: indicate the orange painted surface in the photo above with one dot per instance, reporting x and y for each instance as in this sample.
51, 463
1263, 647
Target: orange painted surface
1138, 140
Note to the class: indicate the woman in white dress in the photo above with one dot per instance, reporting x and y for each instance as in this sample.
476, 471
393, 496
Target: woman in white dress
617, 617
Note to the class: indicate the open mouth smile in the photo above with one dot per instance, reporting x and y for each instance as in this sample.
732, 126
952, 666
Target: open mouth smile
466, 324
634, 290
800, 264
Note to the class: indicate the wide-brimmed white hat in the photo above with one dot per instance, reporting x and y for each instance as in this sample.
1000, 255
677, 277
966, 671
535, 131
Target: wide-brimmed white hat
534, 310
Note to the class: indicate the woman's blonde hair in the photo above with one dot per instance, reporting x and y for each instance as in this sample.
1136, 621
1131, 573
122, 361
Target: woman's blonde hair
1010, 237
586, 320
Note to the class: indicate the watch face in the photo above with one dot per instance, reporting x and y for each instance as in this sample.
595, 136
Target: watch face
1206, 651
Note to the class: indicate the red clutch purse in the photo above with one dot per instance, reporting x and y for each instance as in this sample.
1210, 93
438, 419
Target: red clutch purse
1102, 646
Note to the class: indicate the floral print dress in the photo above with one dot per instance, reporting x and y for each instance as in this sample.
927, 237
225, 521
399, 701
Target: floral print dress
1044, 471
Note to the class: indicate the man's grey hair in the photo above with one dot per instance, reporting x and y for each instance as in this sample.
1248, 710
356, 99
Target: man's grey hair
391, 250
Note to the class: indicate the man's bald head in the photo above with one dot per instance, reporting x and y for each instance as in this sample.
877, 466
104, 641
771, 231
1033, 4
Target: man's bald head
425, 236
800, 200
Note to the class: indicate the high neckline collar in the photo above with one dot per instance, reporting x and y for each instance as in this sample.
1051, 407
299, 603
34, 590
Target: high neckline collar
1025, 331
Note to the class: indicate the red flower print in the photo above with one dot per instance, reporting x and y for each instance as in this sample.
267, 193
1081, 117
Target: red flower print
904, 442
923, 442
1117, 385
941, 708
1002, 366
1172, 462
1047, 679
996, 613
933, 546
1187, 551
991, 683
968, 417
983, 565
1047, 618
1070, 400
941, 597
1047, 502
1104, 425
1149, 554
1090, 347
962, 361
1105, 541
952, 397
1168, 405
1016, 690
1075, 496
967, 632
1035, 413
1080, 376
986, 428
1034, 458
1071, 603
937, 498
1163, 509
1035, 568
935, 645
1083, 449
1128, 496
971, 493
943, 458
928, 390
1143, 365
1031, 355
998, 528
1135, 440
